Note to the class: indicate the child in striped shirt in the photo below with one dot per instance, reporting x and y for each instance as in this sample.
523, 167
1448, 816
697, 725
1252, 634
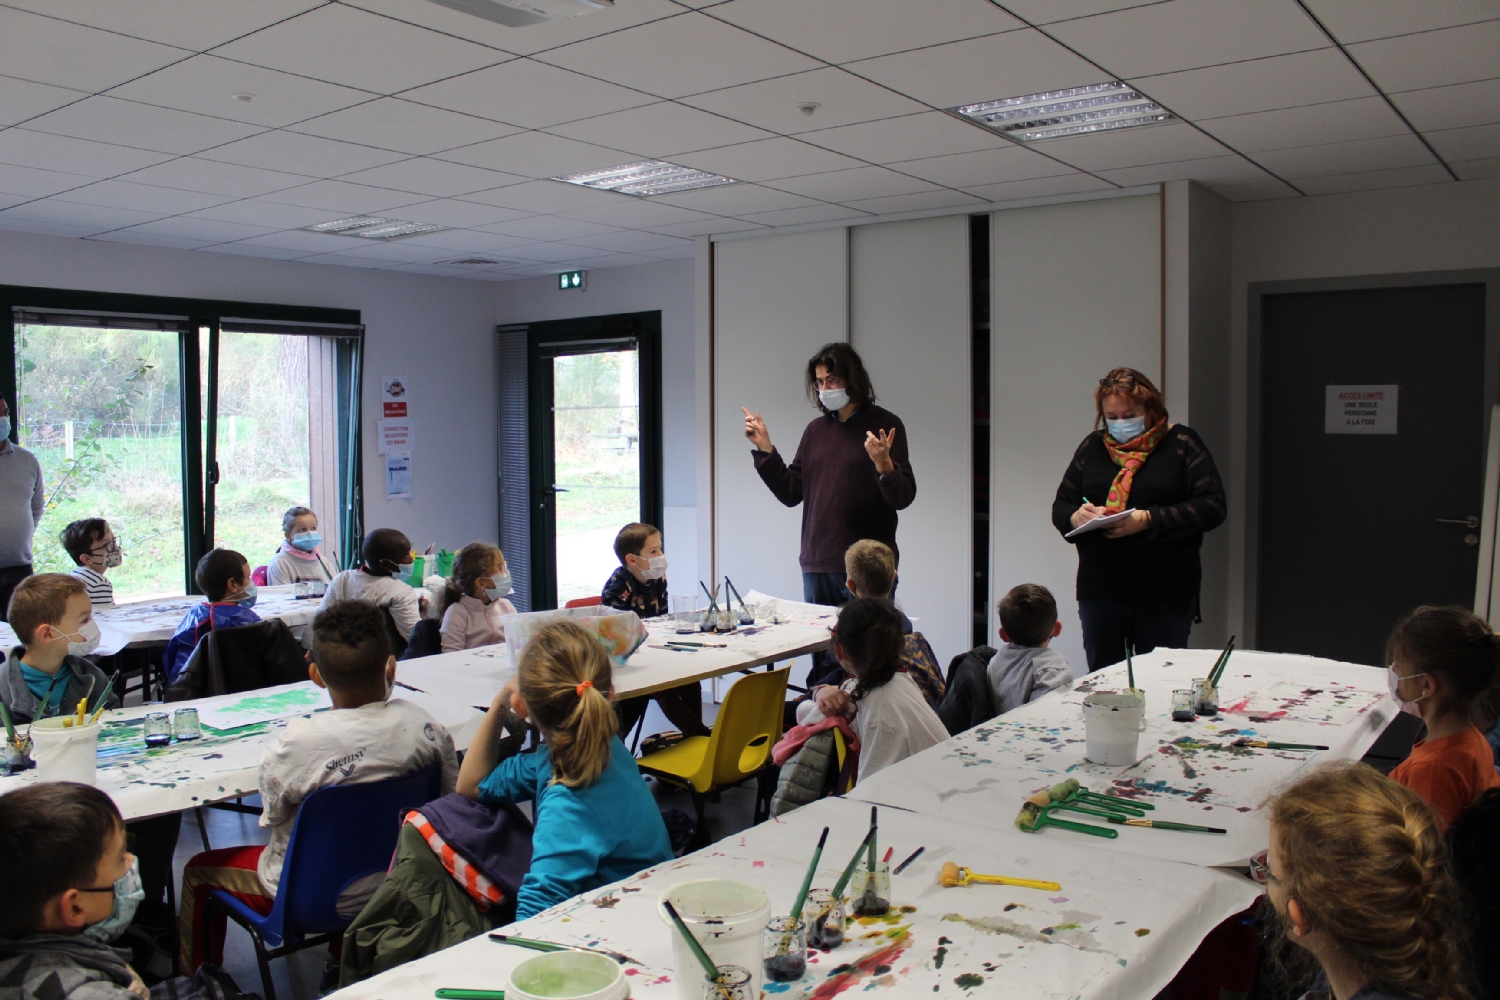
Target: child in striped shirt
94, 549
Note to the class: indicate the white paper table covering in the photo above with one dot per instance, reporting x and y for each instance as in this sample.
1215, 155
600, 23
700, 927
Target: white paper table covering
1118, 928
984, 775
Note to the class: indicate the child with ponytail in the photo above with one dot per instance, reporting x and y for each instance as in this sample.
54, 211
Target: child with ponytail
474, 599
1441, 661
596, 821
1357, 874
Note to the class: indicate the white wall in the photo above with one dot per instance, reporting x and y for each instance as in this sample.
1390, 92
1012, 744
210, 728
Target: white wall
1075, 291
1439, 227
439, 332
909, 320
668, 287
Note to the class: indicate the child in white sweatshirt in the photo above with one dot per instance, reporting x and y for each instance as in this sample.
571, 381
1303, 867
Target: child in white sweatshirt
1024, 668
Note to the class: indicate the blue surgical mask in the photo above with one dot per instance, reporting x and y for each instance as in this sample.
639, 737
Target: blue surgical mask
1126, 430
128, 895
247, 599
307, 541
502, 585
403, 570
4, 427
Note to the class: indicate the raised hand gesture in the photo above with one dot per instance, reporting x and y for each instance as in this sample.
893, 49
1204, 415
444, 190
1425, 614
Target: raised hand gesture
878, 447
755, 430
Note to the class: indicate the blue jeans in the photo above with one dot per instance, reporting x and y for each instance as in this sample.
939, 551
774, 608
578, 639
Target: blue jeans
1109, 624
828, 588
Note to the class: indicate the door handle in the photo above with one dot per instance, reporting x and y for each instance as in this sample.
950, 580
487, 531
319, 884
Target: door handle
563, 489
1472, 521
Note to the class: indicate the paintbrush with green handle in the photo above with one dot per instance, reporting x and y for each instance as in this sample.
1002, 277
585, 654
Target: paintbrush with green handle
104, 699
534, 945
710, 970
1161, 824
10, 727
1129, 665
812, 868
1273, 745
843, 882
1215, 675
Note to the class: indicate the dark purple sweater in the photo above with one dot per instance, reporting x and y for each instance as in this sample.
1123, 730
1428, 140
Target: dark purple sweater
844, 499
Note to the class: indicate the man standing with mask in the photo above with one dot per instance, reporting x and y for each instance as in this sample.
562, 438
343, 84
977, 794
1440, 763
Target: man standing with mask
21, 504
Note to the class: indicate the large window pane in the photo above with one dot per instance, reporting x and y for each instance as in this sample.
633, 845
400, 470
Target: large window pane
100, 409
596, 437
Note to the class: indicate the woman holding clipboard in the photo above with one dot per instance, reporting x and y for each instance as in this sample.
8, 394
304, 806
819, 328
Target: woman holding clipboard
1138, 574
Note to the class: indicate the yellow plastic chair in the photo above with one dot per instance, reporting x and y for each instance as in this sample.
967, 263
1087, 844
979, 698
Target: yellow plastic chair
841, 749
736, 750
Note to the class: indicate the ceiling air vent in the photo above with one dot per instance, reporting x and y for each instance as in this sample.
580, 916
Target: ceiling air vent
477, 262
520, 13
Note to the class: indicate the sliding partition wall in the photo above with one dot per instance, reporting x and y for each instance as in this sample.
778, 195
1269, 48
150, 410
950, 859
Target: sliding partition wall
187, 424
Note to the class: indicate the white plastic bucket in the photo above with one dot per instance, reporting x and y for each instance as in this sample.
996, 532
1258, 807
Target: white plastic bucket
65, 754
567, 975
1114, 721
728, 919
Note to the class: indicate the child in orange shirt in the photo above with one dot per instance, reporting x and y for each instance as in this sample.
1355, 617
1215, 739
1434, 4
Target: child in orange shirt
1441, 660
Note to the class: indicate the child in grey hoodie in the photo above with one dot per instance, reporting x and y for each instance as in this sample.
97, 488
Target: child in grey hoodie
1024, 668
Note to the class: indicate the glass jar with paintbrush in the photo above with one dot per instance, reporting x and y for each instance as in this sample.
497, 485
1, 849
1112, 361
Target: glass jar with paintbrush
870, 891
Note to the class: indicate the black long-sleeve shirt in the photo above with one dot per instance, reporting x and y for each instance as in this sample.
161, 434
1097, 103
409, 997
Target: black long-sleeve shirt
1158, 568
844, 499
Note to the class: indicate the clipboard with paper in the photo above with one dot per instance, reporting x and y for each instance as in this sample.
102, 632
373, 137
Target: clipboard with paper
1099, 523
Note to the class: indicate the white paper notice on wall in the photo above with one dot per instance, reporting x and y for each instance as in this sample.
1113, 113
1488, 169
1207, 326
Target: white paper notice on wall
397, 436
1360, 409
397, 476
395, 395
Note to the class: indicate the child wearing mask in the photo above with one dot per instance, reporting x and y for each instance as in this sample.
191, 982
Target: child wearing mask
368, 736
476, 598
387, 555
890, 716
300, 557
1357, 877
48, 675
596, 821
1441, 661
640, 585
94, 549
224, 577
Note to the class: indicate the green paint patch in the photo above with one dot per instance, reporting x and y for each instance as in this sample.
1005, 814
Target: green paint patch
968, 981
1142, 931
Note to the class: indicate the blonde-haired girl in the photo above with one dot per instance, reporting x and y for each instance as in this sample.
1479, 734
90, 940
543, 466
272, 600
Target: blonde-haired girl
475, 598
595, 819
1357, 872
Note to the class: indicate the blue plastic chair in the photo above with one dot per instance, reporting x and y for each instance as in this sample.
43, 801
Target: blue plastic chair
341, 833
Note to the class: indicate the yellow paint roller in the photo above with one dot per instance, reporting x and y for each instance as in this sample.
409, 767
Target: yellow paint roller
952, 875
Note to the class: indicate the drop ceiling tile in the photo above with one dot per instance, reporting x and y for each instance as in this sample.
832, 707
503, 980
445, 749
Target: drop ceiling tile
247, 250
710, 224
1228, 169
532, 271
453, 212
260, 212
1337, 121
847, 185
1433, 58
191, 24
208, 85
981, 69
302, 154
34, 183
931, 133
1259, 85
767, 160
1473, 143
1259, 191
151, 239
735, 200
1185, 34
44, 228
439, 178
532, 38
1050, 11
143, 126
682, 252
842, 99
23, 99
553, 253
345, 260
461, 241
141, 197
528, 94
1361, 20
1360, 156
1133, 147
302, 241
1039, 187
48, 50
986, 166
927, 201
1370, 180
25, 148
393, 251
637, 213
632, 241
805, 216
547, 197
94, 218
354, 48
405, 126
537, 154
681, 55
602, 261
190, 173
843, 30
7, 200
203, 230
1473, 170
1451, 107
343, 198
660, 130
549, 228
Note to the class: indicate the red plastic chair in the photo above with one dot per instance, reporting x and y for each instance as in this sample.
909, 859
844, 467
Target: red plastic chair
584, 602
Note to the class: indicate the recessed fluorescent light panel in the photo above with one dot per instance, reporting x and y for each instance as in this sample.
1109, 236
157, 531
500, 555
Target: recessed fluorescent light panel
647, 178
1102, 107
371, 227
521, 13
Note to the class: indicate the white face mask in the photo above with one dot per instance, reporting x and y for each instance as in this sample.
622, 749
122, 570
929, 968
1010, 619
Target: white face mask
85, 640
833, 399
1393, 682
502, 585
656, 568
1126, 430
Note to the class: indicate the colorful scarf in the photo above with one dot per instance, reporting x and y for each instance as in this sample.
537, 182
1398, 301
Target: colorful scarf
1129, 456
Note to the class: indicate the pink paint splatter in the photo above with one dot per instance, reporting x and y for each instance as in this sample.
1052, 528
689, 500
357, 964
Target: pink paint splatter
1057, 899
757, 864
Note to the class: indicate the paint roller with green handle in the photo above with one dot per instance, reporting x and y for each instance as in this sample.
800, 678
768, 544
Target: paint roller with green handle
1072, 791
1033, 817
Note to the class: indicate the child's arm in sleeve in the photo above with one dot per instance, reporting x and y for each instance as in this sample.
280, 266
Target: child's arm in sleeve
406, 612
452, 636
1048, 678
277, 804
565, 852
449, 759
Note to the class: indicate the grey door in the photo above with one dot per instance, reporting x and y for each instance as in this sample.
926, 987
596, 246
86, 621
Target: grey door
1357, 528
